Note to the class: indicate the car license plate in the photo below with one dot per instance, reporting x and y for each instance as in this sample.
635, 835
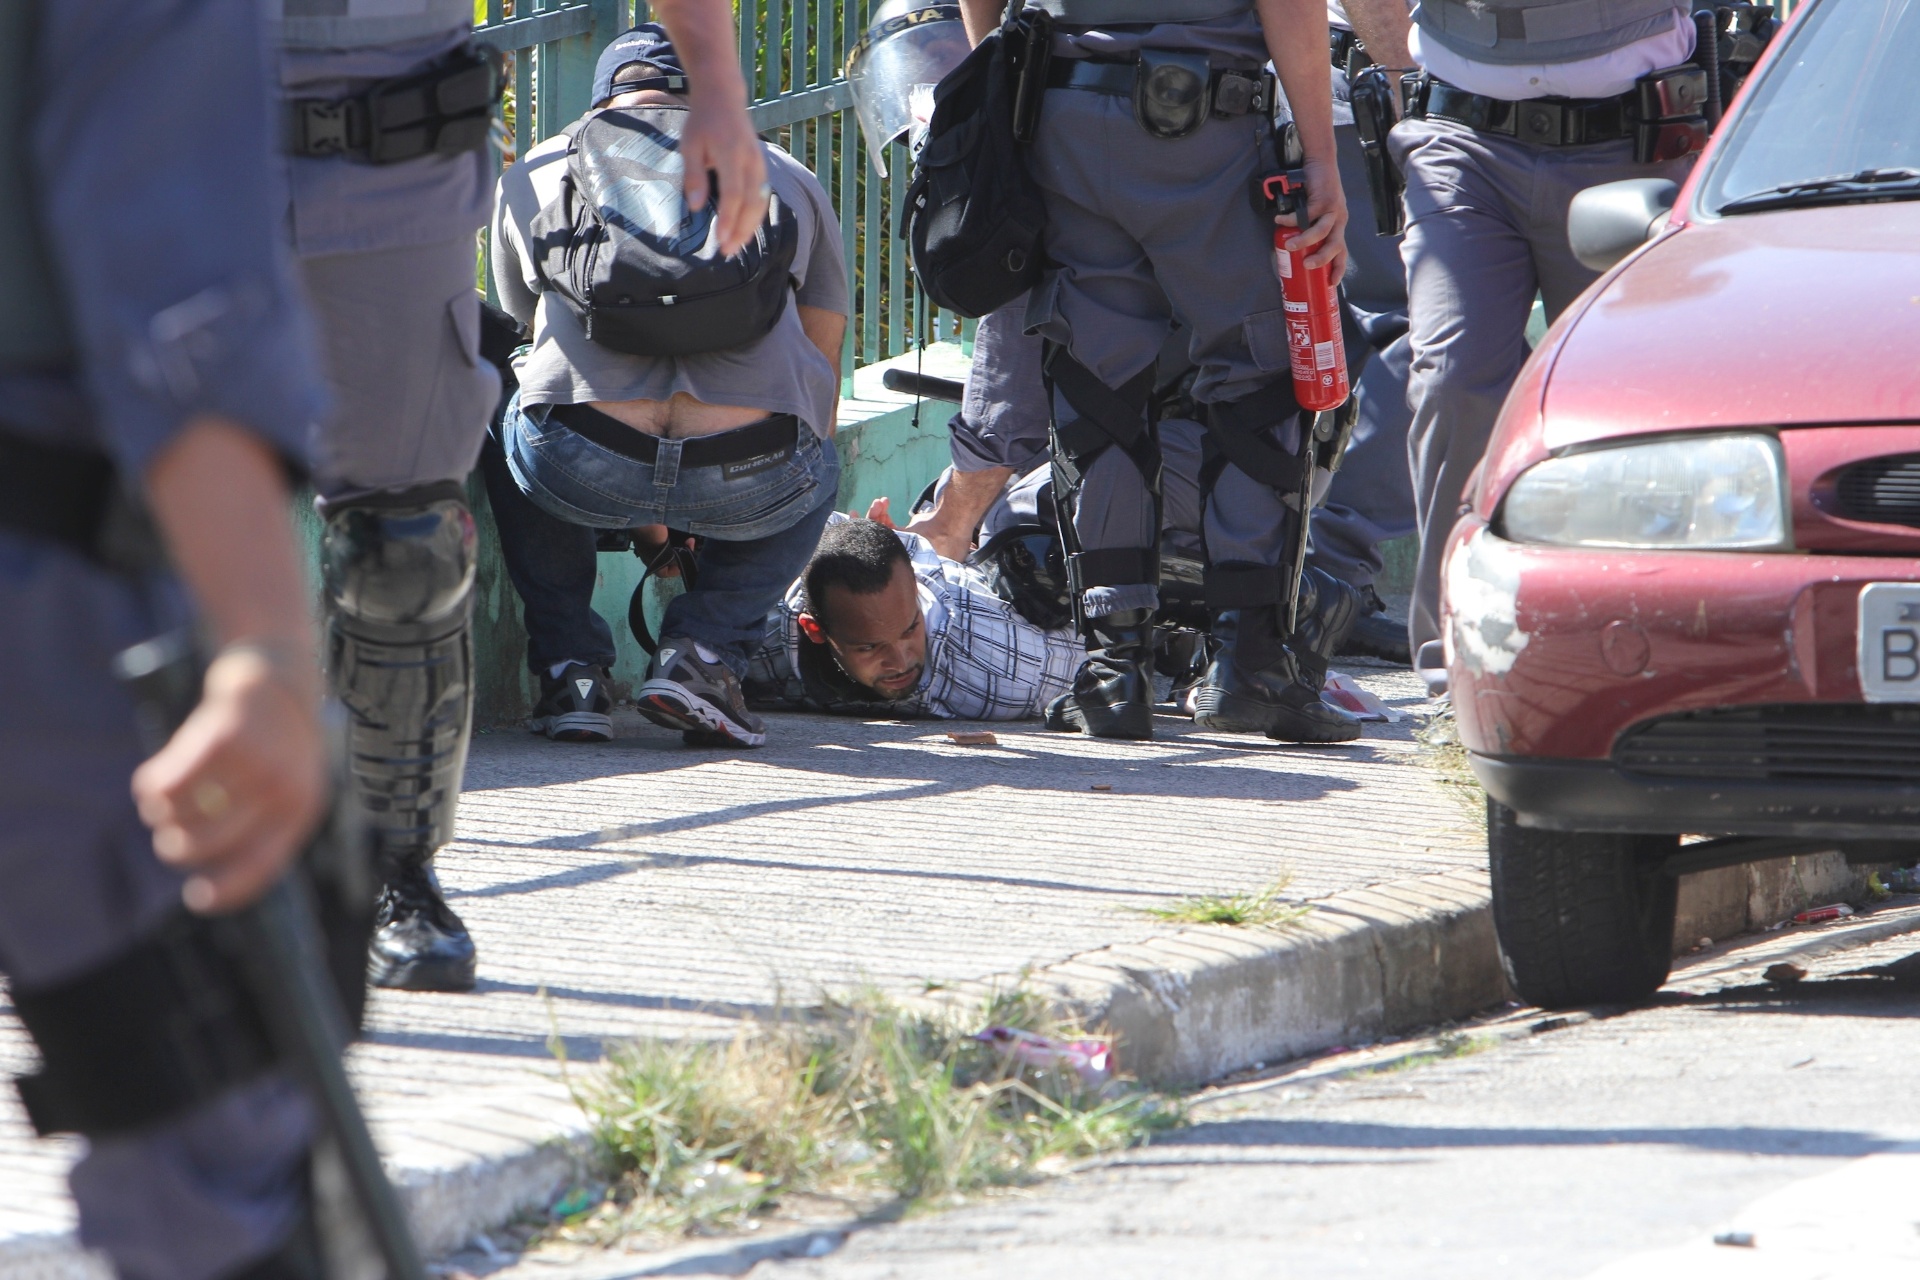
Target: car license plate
1890, 641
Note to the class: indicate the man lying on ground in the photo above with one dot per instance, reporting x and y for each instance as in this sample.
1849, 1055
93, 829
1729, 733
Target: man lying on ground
882, 623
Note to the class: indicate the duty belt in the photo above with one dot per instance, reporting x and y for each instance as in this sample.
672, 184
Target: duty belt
742, 444
51, 491
445, 110
1236, 91
1549, 122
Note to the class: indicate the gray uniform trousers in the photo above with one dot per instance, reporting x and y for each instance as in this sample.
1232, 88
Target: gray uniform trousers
207, 1191
1003, 420
1371, 498
1487, 227
400, 329
1140, 230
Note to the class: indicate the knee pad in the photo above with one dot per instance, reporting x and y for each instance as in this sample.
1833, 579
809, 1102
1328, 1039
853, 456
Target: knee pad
398, 571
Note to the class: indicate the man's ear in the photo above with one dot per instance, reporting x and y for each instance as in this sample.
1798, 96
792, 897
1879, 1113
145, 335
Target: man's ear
810, 628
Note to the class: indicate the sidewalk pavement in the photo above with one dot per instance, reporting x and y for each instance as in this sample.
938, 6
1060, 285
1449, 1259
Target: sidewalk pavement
639, 887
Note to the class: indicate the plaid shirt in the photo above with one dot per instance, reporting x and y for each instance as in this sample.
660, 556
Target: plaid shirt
984, 661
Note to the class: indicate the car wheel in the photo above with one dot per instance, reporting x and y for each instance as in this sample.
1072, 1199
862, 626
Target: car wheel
1582, 918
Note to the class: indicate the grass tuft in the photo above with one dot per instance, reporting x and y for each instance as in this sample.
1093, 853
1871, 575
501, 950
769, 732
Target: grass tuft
865, 1101
1446, 755
1262, 908
1450, 1044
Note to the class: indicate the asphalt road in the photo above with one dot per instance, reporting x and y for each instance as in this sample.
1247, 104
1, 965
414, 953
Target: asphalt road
1623, 1142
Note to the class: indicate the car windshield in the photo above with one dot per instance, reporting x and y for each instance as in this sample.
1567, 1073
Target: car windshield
1838, 105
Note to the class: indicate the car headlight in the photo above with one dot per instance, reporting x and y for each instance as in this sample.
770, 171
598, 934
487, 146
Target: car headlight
1691, 493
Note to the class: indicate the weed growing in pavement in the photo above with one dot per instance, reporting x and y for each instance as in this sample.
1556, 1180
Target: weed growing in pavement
1441, 748
1262, 908
863, 1101
1449, 1044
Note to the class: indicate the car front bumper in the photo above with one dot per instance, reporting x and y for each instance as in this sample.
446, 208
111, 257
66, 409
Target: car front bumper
1564, 663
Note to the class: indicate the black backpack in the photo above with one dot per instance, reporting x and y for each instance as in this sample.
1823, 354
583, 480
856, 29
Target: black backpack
973, 214
619, 247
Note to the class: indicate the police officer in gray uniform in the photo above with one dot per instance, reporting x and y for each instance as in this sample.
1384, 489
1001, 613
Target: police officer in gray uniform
387, 111
152, 355
1524, 104
1151, 135
388, 104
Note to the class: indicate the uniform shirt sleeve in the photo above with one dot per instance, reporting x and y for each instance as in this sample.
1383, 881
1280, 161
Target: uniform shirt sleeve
164, 210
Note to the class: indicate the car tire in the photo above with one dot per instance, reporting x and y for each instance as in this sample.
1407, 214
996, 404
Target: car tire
1582, 918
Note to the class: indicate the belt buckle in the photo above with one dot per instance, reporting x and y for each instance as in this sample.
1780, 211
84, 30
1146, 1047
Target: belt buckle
323, 127
1541, 123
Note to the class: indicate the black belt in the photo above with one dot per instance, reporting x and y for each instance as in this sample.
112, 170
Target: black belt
444, 110
1236, 91
756, 440
1548, 122
49, 491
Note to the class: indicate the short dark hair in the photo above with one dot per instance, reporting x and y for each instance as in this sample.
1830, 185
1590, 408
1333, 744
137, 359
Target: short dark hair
858, 555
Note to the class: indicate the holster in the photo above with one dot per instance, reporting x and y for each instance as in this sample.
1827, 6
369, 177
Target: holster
1372, 95
1669, 113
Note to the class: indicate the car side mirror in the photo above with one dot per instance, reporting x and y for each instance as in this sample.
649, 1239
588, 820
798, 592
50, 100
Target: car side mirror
1608, 222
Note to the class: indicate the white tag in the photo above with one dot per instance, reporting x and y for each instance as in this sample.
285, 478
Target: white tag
585, 687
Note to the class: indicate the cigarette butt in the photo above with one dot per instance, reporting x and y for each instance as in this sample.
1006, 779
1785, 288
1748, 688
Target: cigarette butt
974, 738
1102, 786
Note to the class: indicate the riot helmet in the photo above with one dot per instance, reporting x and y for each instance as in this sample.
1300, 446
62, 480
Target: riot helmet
1026, 566
907, 43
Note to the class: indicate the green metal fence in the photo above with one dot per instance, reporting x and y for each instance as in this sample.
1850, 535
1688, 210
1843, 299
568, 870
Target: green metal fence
791, 53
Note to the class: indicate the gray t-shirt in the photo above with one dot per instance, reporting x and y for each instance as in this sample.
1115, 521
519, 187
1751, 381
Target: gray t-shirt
782, 372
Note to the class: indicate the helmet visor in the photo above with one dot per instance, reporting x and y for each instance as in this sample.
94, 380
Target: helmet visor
912, 45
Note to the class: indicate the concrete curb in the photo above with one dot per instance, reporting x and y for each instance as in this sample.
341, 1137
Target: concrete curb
1208, 1000
1185, 1008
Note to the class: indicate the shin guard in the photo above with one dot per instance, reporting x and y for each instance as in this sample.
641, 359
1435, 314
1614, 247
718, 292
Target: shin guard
398, 571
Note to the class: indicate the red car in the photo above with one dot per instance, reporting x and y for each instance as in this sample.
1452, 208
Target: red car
1686, 601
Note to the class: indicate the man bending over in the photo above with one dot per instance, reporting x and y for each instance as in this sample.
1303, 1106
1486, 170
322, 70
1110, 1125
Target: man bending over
732, 443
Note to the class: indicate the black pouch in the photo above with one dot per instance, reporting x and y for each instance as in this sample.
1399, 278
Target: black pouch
973, 215
1172, 92
444, 111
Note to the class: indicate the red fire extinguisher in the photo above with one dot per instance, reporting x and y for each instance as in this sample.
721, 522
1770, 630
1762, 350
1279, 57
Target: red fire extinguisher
1317, 351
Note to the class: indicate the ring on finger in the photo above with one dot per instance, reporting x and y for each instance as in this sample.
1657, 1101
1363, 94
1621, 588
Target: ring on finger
211, 799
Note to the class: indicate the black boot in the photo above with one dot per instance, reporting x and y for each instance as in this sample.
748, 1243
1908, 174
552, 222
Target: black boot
1329, 609
1255, 685
419, 944
1113, 690
1375, 635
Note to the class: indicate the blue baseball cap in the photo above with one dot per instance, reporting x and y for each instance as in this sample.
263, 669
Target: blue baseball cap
646, 43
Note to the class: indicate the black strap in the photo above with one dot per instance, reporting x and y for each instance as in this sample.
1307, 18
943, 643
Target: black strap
49, 491
755, 440
1235, 91
1115, 566
1238, 429
1242, 586
164, 1026
1107, 416
1551, 122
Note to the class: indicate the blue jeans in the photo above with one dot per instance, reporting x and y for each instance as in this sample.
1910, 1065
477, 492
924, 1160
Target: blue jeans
756, 532
554, 566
